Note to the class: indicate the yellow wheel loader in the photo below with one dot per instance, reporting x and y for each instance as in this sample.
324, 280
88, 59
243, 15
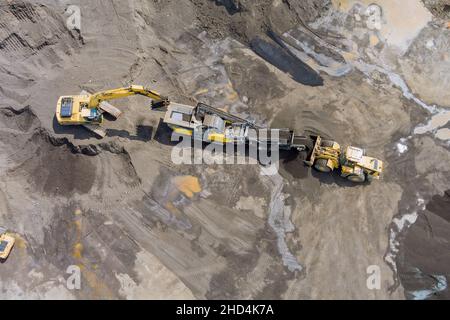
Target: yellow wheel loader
6, 244
354, 165
86, 109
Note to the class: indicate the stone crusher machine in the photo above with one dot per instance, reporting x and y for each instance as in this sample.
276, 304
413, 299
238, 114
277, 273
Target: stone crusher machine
213, 125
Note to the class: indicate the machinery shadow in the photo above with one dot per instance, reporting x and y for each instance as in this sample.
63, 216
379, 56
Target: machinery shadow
292, 163
334, 178
143, 133
163, 134
78, 132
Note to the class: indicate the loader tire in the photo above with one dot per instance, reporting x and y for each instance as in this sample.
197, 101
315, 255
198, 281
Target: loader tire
321, 165
357, 178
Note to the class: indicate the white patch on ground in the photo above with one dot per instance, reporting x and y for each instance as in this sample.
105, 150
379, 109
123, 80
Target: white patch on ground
50, 290
155, 281
279, 220
317, 61
405, 221
402, 147
421, 203
431, 44
438, 120
373, 14
443, 134
441, 285
400, 224
253, 204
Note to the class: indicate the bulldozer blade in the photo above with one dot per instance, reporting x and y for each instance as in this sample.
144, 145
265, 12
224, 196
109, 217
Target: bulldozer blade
99, 131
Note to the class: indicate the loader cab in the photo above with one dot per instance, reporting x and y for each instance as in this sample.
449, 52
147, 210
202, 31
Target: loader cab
353, 155
357, 167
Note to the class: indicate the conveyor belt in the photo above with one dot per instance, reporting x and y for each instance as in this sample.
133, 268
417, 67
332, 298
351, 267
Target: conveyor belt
203, 109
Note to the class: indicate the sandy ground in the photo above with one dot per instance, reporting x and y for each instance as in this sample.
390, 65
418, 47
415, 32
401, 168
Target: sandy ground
138, 226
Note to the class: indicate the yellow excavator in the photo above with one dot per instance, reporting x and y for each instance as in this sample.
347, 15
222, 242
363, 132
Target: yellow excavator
88, 109
6, 244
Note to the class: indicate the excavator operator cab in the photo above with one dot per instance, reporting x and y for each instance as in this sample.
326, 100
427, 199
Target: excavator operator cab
354, 154
66, 107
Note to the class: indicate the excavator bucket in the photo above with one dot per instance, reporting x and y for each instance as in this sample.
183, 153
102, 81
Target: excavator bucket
164, 102
110, 109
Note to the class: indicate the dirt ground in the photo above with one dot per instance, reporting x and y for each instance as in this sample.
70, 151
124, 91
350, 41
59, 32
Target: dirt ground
139, 226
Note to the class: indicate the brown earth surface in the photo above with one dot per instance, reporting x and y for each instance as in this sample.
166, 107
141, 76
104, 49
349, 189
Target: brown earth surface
139, 226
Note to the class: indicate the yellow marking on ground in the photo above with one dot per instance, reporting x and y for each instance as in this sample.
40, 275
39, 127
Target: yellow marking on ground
171, 208
19, 242
374, 40
233, 96
341, 4
100, 289
188, 185
349, 56
77, 224
201, 91
77, 251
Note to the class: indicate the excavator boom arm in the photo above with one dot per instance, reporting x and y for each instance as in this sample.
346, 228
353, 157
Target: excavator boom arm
107, 95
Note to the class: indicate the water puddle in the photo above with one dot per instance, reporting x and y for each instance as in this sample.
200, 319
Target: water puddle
443, 134
440, 286
385, 20
437, 121
392, 19
399, 226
